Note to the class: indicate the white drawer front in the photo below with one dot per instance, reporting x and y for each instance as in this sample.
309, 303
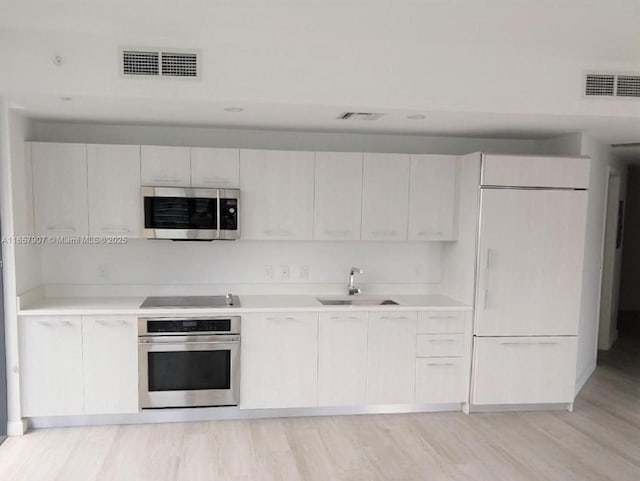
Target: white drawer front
440, 380
439, 322
440, 345
524, 370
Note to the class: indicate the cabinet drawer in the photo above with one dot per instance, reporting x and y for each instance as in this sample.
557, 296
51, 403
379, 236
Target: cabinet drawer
441, 322
440, 380
524, 370
440, 345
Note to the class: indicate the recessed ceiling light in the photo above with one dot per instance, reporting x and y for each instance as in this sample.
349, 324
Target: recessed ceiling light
416, 117
233, 109
66, 99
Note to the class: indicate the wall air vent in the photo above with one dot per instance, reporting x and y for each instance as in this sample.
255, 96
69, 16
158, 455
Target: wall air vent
628, 86
161, 63
600, 85
360, 116
612, 85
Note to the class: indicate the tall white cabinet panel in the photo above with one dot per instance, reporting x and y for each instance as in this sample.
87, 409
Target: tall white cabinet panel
110, 357
432, 198
531, 255
385, 196
51, 365
524, 370
535, 171
342, 363
277, 194
212, 168
114, 190
279, 359
391, 367
165, 166
60, 188
338, 196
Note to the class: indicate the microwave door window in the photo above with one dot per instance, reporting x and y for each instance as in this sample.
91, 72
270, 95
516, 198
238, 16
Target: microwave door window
180, 213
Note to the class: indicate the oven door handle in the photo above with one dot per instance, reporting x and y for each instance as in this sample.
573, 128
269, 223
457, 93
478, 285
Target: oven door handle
233, 339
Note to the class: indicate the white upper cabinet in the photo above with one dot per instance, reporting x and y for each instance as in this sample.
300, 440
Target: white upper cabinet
109, 358
385, 196
535, 171
211, 168
531, 253
338, 191
432, 199
165, 166
60, 189
114, 190
277, 194
391, 365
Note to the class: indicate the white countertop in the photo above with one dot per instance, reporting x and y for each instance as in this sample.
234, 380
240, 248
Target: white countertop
248, 303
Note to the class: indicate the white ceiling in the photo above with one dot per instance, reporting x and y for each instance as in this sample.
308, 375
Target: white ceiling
510, 69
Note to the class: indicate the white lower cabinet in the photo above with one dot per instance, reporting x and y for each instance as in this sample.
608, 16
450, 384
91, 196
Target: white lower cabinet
110, 364
391, 360
524, 370
342, 361
441, 380
279, 360
51, 365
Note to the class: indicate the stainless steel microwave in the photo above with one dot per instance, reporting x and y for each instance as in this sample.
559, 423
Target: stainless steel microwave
179, 213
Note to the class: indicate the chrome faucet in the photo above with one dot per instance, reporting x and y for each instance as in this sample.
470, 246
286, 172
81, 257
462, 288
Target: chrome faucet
353, 289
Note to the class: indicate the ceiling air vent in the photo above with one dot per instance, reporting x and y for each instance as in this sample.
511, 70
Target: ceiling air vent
179, 64
628, 86
140, 63
360, 116
160, 63
600, 85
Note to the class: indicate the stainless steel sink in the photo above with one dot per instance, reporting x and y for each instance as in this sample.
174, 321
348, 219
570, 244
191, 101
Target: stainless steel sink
357, 302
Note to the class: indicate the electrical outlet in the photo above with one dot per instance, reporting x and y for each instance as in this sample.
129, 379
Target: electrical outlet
303, 272
268, 272
283, 272
103, 272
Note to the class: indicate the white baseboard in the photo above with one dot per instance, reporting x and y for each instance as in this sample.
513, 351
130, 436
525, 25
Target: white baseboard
495, 408
229, 413
17, 428
584, 377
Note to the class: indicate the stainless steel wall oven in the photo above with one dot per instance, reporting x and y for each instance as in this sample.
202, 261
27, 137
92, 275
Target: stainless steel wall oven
188, 361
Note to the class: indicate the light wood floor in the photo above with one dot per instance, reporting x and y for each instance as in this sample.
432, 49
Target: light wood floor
600, 441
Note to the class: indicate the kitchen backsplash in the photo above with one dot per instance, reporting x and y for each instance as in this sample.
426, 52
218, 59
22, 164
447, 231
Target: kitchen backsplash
243, 262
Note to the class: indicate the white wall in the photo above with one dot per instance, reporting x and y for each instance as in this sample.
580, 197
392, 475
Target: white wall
87, 132
241, 262
602, 158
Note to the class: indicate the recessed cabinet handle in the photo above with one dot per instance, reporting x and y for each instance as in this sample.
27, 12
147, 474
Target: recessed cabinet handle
278, 232
443, 317
442, 340
215, 180
116, 230
395, 317
166, 179
337, 233
44, 323
67, 323
281, 319
424, 233
384, 232
530, 343
61, 228
440, 364
342, 318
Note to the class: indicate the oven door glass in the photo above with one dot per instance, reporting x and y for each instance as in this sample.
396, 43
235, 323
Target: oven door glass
189, 370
